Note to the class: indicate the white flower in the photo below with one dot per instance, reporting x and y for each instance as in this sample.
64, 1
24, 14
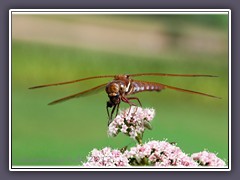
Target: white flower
106, 157
159, 153
205, 158
131, 122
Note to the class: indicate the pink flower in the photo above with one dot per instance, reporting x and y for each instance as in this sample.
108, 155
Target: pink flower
106, 157
152, 153
132, 122
159, 153
205, 158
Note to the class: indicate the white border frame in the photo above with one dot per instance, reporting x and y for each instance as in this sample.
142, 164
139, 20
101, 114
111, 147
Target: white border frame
115, 11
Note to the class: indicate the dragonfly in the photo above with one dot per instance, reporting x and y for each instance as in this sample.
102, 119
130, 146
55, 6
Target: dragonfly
122, 86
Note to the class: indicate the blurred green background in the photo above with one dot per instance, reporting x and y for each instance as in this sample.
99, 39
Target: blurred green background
55, 48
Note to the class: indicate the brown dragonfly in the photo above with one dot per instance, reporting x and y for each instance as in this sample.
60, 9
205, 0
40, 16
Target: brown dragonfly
122, 86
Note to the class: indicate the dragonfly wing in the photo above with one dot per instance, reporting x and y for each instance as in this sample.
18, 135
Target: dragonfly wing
80, 94
187, 91
70, 82
164, 74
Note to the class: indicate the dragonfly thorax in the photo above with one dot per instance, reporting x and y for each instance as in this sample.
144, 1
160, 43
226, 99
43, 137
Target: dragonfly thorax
115, 88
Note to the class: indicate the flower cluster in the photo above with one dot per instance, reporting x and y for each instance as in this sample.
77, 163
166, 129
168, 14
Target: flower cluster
205, 158
132, 122
106, 157
152, 153
159, 153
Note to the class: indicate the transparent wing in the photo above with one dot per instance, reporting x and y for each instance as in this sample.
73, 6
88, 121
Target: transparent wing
164, 74
187, 91
69, 82
80, 94
112, 76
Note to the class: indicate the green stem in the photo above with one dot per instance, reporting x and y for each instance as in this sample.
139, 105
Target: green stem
139, 139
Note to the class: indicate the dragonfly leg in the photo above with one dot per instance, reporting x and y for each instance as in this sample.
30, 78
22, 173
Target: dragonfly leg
109, 105
136, 99
126, 100
110, 119
110, 116
117, 110
138, 102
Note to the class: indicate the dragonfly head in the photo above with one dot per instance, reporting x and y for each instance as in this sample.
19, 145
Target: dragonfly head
116, 91
113, 90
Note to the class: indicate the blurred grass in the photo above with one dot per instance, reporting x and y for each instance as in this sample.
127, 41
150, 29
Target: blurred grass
64, 134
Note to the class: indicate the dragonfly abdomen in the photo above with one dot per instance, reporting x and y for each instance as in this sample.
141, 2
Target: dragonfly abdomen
140, 86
